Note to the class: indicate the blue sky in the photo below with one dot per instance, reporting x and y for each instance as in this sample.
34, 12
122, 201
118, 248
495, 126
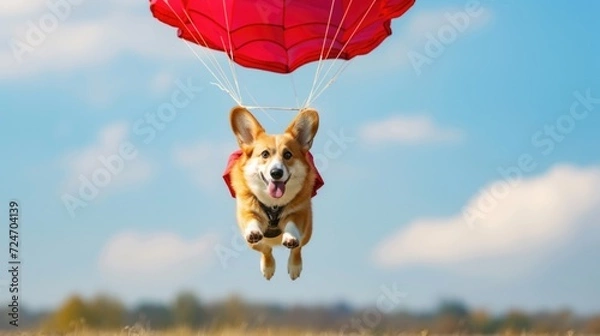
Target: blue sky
415, 198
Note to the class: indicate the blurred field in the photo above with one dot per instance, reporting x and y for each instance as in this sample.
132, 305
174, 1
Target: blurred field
231, 332
187, 315
255, 332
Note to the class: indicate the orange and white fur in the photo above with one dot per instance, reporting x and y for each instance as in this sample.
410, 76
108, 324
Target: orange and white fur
274, 171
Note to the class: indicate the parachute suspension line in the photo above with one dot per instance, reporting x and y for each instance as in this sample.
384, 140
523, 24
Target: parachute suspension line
263, 109
340, 24
343, 67
229, 89
312, 88
333, 79
232, 69
221, 85
279, 108
213, 59
231, 59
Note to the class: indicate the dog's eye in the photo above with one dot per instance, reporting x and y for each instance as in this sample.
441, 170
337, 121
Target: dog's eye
265, 154
287, 155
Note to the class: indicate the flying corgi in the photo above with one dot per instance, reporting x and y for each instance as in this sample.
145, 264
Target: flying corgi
273, 179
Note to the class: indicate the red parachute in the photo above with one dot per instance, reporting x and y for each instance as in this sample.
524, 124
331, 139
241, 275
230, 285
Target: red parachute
282, 35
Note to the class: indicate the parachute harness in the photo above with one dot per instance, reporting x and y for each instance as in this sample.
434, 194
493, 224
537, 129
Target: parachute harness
273, 213
232, 88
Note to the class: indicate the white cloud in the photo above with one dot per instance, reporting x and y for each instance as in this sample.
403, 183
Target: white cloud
10, 9
412, 32
162, 81
412, 129
76, 43
108, 147
130, 3
205, 162
536, 215
432, 21
150, 254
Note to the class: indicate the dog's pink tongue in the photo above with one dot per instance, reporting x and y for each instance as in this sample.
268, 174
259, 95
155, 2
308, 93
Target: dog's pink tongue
276, 189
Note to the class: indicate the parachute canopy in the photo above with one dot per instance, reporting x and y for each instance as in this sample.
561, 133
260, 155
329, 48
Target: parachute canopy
282, 35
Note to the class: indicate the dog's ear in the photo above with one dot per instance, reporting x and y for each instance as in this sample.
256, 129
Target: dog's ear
245, 126
304, 127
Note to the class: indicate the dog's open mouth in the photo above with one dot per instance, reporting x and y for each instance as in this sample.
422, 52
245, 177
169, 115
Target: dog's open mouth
276, 189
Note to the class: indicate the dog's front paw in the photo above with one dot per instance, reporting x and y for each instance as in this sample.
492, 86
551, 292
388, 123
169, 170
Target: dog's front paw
253, 236
289, 241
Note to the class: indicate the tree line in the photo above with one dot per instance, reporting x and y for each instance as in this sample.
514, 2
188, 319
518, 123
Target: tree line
186, 310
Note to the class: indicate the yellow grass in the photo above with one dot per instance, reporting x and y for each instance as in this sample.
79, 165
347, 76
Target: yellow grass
223, 332
244, 332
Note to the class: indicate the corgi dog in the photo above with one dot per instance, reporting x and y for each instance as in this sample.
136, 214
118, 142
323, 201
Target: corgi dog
273, 178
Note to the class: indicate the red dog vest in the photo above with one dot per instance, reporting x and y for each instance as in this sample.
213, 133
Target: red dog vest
236, 155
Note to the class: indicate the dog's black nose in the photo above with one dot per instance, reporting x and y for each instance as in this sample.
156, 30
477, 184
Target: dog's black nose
276, 173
